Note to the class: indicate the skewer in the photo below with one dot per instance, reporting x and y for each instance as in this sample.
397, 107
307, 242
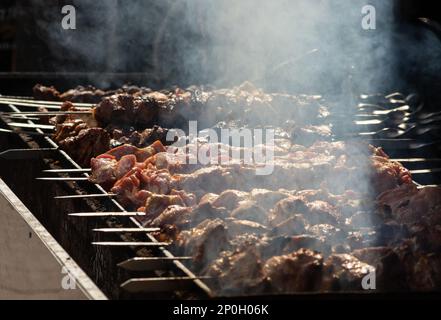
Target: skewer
17, 116
62, 178
425, 171
108, 214
67, 170
16, 101
160, 284
124, 230
32, 105
51, 113
14, 154
30, 133
130, 244
29, 125
82, 196
149, 263
417, 160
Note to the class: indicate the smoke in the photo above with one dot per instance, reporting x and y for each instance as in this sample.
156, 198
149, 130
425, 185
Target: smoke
225, 42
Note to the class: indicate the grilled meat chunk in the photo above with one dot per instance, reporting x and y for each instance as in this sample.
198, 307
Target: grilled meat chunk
299, 271
238, 272
205, 241
88, 143
344, 272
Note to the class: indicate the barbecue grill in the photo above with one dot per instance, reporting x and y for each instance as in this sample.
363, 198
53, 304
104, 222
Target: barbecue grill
130, 259
121, 255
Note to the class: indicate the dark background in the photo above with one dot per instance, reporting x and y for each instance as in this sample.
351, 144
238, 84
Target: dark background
28, 55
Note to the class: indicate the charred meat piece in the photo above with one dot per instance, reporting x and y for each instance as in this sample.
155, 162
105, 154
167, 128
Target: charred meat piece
238, 272
126, 109
41, 92
281, 245
300, 271
344, 272
88, 143
294, 225
389, 271
410, 205
88, 94
237, 227
250, 210
205, 241
141, 138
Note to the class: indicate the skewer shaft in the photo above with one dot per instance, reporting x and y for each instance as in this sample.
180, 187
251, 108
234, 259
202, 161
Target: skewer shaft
83, 196
62, 178
51, 113
30, 125
15, 100
128, 230
130, 244
150, 263
108, 214
67, 170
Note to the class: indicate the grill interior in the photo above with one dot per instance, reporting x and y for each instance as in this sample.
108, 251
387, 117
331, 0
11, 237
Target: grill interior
405, 129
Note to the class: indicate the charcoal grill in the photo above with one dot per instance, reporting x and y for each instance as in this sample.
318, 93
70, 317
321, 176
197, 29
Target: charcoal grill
126, 260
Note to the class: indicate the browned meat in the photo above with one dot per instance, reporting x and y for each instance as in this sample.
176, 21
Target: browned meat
314, 212
422, 269
294, 225
410, 205
250, 210
286, 244
389, 270
173, 215
238, 272
299, 271
237, 227
88, 94
88, 143
141, 138
127, 109
41, 92
205, 241
344, 272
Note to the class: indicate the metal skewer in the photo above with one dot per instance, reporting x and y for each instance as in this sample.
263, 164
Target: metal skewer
124, 230
82, 196
108, 214
14, 154
40, 103
163, 284
54, 113
30, 133
62, 179
29, 125
150, 263
67, 170
130, 244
